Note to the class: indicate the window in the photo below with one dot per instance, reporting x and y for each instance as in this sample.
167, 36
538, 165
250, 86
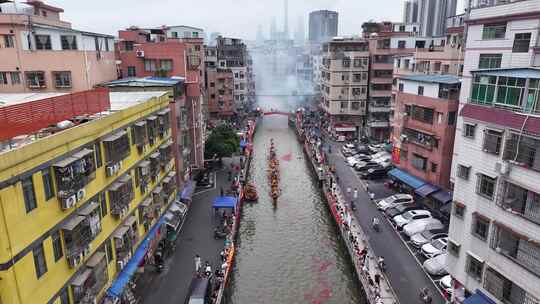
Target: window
451, 118
494, 31
97, 150
3, 78
39, 261
422, 114
110, 256
492, 141
344, 105
29, 194
64, 296
357, 62
131, 71
419, 162
106, 44
434, 167
483, 89
166, 64
43, 42
510, 91
459, 209
8, 41
403, 154
15, 78
485, 186
48, 185
62, 79
463, 171
346, 62
174, 34
35, 79
480, 226
453, 248
524, 150
521, 43
355, 106
357, 77
401, 87
401, 44
490, 61
420, 90
69, 42
128, 45
150, 65
474, 267
57, 245
469, 130
103, 204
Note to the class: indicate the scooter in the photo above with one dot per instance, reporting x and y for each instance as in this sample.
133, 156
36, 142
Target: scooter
219, 234
158, 260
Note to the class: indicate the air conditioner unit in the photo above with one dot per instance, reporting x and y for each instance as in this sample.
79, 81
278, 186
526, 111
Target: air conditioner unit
110, 170
144, 171
403, 138
503, 167
80, 194
140, 53
69, 202
74, 261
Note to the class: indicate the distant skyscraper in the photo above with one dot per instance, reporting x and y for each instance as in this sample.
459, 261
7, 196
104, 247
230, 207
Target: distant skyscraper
299, 35
323, 26
273, 29
430, 14
286, 19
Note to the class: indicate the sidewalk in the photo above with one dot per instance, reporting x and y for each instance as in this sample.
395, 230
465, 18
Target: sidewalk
405, 275
171, 286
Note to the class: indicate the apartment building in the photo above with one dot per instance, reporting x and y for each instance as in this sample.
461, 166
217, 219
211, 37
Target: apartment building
494, 233
160, 52
323, 26
80, 190
344, 87
219, 84
42, 53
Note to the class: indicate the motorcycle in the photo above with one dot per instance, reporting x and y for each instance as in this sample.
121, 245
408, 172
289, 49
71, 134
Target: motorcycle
375, 224
158, 260
219, 234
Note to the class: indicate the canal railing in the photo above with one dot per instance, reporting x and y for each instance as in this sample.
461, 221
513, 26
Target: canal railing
365, 261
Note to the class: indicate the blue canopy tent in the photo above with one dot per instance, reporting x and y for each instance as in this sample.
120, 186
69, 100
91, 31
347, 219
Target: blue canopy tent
123, 278
406, 178
226, 202
243, 143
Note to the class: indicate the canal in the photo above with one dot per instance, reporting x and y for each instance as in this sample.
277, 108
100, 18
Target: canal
291, 252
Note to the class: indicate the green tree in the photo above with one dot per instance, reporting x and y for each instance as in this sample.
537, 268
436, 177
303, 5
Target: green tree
223, 142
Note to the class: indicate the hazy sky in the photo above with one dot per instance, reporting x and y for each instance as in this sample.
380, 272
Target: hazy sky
238, 18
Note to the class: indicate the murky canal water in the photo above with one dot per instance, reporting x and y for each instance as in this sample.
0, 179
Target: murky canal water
290, 253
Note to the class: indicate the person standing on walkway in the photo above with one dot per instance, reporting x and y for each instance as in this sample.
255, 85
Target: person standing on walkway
348, 190
197, 263
355, 194
378, 280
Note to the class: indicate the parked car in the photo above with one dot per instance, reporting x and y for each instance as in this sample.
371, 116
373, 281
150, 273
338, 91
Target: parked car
383, 161
409, 216
435, 247
436, 265
446, 285
374, 173
394, 200
363, 149
393, 211
381, 154
364, 166
430, 233
419, 226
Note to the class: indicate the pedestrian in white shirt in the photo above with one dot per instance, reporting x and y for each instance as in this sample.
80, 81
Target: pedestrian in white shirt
197, 263
355, 193
348, 190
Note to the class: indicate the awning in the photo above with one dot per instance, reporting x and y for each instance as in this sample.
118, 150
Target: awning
163, 112
151, 117
224, 202
478, 299
154, 155
166, 145
406, 178
95, 259
442, 196
141, 123
426, 190
81, 278
115, 136
89, 208
120, 232
125, 178
130, 221
83, 153
65, 162
187, 192
73, 222
345, 129
115, 186
123, 278
144, 163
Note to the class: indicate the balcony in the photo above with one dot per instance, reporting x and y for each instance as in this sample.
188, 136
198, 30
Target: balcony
379, 108
123, 245
424, 140
164, 122
382, 66
116, 150
165, 154
140, 135
87, 285
455, 21
380, 93
520, 201
523, 150
154, 165
72, 174
77, 236
381, 80
378, 124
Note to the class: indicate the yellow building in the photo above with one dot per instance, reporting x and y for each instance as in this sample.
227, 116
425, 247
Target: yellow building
75, 204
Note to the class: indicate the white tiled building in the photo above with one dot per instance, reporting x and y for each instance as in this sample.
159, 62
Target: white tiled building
494, 249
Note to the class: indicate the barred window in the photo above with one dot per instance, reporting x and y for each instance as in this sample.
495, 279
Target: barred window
524, 150
463, 172
469, 130
492, 141
474, 267
480, 226
485, 186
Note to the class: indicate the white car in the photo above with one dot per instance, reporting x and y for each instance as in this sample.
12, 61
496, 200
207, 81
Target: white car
434, 248
418, 226
394, 200
381, 155
436, 265
409, 216
446, 284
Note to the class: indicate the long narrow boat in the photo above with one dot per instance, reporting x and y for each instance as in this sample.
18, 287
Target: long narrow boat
273, 172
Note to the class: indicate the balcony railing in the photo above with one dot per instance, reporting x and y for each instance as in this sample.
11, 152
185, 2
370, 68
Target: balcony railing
378, 124
520, 201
